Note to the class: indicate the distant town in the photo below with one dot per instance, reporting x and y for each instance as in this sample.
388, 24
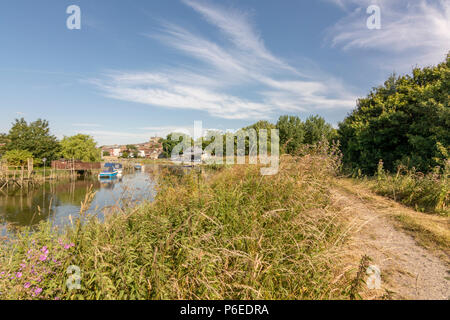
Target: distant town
152, 149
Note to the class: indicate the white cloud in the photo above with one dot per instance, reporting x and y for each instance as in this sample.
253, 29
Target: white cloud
412, 32
242, 64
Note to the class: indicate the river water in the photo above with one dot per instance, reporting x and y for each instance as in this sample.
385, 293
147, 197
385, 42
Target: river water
57, 201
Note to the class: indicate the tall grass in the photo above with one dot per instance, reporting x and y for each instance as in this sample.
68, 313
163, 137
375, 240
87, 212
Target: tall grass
424, 192
235, 235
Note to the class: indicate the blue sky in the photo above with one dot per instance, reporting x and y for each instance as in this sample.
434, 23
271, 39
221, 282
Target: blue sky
142, 68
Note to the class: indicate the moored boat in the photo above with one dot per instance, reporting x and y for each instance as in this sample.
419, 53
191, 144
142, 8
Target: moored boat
108, 172
115, 166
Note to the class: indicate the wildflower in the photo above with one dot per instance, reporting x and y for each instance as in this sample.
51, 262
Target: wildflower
44, 250
19, 274
22, 266
27, 285
43, 257
68, 246
37, 291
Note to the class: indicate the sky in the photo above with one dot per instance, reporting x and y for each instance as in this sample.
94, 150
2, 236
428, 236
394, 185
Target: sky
138, 69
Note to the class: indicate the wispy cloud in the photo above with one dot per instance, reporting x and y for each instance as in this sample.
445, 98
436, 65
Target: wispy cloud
412, 32
240, 60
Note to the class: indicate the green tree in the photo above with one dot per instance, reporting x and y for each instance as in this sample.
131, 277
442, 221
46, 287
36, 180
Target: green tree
3, 142
171, 141
17, 157
291, 133
405, 121
34, 137
316, 129
80, 147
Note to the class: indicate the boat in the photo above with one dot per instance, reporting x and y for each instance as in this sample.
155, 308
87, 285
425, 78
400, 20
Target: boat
108, 172
116, 166
138, 166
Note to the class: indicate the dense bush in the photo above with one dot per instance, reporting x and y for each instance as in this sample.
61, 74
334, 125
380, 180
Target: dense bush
406, 121
17, 157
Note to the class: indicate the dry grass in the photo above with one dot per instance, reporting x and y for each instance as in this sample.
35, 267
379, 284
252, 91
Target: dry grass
429, 230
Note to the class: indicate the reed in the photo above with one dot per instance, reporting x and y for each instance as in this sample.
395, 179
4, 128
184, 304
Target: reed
424, 192
233, 235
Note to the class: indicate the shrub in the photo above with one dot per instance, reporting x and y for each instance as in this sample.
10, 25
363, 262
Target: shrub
425, 192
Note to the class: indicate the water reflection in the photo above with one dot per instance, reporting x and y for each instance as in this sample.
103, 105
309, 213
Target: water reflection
57, 201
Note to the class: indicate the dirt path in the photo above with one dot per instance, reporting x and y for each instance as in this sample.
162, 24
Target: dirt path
408, 271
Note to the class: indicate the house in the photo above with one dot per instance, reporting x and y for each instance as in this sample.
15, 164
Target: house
149, 150
192, 154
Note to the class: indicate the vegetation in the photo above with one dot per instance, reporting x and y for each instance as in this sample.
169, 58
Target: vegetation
80, 147
404, 122
231, 236
3, 142
425, 192
294, 134
291, 133
317, 129
170, 142
35, 138
17, 158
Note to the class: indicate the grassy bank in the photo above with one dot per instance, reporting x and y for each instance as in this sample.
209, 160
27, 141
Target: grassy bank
424, 192
234, 235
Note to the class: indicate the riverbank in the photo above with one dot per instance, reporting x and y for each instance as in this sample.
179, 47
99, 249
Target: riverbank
235, 235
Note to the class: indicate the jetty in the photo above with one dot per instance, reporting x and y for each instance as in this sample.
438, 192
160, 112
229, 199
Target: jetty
17, 176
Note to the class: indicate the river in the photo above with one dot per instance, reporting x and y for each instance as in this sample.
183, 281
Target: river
57, 201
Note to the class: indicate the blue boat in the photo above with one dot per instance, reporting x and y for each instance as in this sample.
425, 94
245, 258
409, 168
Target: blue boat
138, 167
115, 166
108, 172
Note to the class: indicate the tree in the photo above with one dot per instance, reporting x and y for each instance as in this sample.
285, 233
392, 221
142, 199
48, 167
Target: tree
291, 133
405, 121
3, 142
131, 148
316, 129
170, 142
34, 137
80, 147
17, 157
